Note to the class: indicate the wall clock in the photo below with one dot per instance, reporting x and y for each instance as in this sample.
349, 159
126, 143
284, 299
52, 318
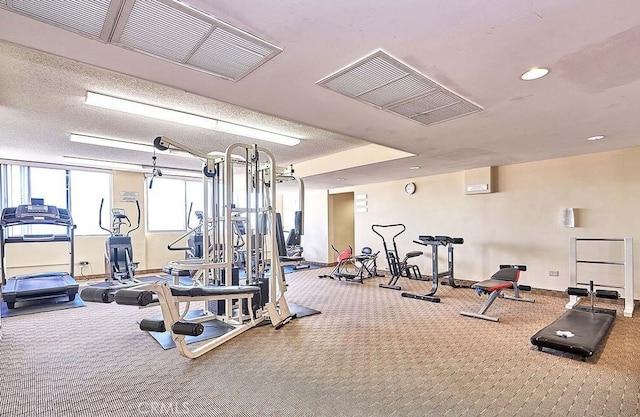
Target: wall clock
410, 188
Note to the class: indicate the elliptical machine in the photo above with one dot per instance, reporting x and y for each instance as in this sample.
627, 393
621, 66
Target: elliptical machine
118, 251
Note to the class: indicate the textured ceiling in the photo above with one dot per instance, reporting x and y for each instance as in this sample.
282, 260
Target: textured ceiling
477, 49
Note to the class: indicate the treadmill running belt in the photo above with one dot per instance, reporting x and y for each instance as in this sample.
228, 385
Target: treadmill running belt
25, 288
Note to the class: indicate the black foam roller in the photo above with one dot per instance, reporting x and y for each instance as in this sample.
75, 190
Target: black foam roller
614, 295
149, 325
134, 297
187, 329
96, 295
580, 292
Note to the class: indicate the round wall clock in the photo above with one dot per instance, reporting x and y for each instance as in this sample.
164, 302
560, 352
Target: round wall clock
410, 188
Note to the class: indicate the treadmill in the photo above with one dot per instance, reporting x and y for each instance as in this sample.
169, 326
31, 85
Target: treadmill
41, 286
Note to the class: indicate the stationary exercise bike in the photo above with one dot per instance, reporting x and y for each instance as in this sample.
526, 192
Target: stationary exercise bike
118, 253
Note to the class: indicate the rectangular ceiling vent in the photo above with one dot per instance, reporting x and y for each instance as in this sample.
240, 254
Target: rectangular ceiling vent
84, 17
165, 29
388, 84
173, 31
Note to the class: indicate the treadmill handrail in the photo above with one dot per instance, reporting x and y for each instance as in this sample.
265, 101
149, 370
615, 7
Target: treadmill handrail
35, 220
37, 238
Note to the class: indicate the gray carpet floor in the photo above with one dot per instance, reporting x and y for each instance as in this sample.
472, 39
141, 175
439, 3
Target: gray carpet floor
369, 353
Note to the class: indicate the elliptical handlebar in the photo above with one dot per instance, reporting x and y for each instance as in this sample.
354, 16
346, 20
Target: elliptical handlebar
189, 215
138, 223
100, 218
111, 232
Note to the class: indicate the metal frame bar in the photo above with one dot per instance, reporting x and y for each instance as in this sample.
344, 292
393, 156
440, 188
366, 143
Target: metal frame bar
628, 270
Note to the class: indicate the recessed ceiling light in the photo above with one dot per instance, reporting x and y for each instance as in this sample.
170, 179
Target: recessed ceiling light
414, 167
596, 137
340, 179
534, 74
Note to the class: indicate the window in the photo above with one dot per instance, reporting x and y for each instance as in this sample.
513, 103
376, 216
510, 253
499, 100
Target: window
88, 189
50, 185
166, 205
78, 191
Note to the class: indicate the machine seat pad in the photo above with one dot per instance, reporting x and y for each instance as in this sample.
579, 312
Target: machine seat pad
291, 258
491, 285
187, 291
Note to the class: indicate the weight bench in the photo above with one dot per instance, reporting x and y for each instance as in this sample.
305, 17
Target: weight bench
169, 297
506, 278
580, 330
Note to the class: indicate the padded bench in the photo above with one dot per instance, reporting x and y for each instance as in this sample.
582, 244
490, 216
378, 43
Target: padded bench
506, 278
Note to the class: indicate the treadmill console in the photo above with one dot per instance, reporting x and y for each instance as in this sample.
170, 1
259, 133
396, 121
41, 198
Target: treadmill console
37, 212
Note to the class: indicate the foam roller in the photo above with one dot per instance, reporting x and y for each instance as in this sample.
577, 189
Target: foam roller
187, 329
134, 297
149, 325
614, 295
580, 292
96, 295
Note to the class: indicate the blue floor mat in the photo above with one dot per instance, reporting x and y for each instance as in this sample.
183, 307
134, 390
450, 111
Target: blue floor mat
41, 306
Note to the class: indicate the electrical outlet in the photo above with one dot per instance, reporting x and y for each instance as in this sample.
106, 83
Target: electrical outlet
554, 273
84, 263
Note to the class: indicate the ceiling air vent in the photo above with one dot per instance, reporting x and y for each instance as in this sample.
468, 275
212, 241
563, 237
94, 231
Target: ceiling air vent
85, 17
173, 31
165, 29
388, 84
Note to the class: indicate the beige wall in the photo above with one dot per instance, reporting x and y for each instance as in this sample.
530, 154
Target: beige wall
521, 223
341, 222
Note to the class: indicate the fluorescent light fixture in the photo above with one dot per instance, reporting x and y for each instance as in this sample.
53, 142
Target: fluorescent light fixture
534, 74
112, 143
251, 132
414, 167
97, 163
179, 173
596, 137
124, 144
141, 109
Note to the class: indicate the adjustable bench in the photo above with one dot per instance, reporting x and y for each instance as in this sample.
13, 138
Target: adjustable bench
169, 297
506, 278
